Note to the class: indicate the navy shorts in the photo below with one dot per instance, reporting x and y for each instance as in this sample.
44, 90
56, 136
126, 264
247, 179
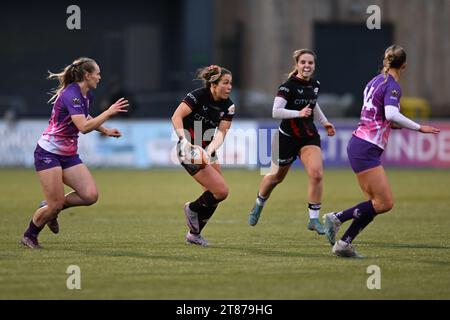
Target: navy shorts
285, 149
45, 160
363, 155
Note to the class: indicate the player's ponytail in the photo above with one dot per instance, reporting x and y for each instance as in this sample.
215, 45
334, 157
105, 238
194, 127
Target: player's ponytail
394, 58
71, 73
296, 55
211, 74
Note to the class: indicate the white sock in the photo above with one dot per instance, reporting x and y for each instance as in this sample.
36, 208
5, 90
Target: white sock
314, 214
314, 210
260, 200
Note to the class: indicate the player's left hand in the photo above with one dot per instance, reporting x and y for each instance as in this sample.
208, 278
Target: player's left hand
113, 133
199, 156
209, 152
331, 131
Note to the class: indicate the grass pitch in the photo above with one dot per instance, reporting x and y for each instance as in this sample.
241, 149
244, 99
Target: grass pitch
130, 245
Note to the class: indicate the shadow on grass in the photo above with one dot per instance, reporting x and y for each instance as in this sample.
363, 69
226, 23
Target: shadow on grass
406, 253
132, 254
404, 245
275, 253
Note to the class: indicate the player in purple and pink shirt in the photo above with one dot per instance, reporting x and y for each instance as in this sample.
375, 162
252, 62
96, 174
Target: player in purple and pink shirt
380, 113
55, 158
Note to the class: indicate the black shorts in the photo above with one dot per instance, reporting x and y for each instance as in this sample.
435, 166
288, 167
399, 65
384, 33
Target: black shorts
285, 149
192, 169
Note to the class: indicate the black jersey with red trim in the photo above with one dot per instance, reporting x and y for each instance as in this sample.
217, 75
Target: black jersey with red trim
299, 93
206, 115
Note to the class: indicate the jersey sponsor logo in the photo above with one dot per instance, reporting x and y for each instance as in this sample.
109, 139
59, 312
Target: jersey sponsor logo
199, 117
394, 94
231, 110
311, 102
76, 103
190, 95
316, 91
284, 89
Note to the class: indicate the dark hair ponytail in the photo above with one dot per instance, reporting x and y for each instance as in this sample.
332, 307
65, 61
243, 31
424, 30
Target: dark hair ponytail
211, 74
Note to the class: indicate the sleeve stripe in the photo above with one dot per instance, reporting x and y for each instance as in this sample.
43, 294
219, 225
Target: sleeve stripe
188, 103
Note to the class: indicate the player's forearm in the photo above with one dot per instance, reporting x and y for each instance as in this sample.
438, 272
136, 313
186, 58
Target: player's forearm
101, 128
319, 115
94, 123
177, 123
279, 111
217, 142
393, 114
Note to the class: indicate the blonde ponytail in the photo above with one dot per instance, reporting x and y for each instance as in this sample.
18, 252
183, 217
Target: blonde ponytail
71, 73
394, 58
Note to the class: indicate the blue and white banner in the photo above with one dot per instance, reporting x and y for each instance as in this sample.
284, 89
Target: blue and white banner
148, 144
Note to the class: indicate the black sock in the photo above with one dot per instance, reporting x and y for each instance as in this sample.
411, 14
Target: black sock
205, 206
363, 215
205, 216
206, 213
206, 200
33, 230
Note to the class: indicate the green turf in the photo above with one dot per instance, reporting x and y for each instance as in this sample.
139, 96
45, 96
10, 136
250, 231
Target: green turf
130, 245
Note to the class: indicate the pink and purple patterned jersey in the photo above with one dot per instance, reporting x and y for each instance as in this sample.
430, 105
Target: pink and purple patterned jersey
61, 135
373, 125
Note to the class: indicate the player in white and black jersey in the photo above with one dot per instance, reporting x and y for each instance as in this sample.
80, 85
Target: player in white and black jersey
296, 106
201, 122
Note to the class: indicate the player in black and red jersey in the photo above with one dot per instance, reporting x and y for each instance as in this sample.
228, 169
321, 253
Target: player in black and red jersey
201, 122
296, 106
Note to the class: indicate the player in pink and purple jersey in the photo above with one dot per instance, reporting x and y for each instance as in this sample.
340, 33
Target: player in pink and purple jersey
380, 113
56, 160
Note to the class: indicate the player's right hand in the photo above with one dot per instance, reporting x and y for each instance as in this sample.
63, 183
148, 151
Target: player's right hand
183, 148
305, 112
119, 106
429, 129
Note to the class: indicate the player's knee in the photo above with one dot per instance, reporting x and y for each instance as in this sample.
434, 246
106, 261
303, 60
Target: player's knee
316, 176
384, 205
276, 179
90, 197
388, 204
222, 193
